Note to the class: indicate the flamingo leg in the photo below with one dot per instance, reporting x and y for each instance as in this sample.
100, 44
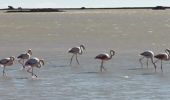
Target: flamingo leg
21, 61
101, 66
147, 63
71, 59
104, 68
31, 72
23, 64
4, 71
77, 60
156, 61
140, 60
153, 64
161, 66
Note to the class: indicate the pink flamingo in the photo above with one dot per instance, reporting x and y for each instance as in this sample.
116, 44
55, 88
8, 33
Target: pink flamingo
76, 50
104, 57
148, 55
163, 57
7, 62
23, 57
34, 62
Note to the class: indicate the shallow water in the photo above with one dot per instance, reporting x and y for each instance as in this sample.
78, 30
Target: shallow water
50, 35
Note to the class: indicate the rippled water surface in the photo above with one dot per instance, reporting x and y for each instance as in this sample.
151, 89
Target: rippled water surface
50, 35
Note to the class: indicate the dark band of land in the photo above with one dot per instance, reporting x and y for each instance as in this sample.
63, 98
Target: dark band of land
11, 9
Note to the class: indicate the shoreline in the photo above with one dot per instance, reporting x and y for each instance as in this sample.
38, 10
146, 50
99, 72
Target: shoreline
10, 9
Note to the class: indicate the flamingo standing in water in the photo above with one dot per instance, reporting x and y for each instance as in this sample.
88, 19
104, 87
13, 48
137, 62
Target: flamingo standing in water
163, 57
33, 62
76, 50
148, 55
104, 57
7, 62
23, 57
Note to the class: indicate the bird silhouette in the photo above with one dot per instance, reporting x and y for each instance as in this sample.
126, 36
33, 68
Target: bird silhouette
33, 62
148, 55
163, 57
104, 57
75, 51
7, 62
24, 57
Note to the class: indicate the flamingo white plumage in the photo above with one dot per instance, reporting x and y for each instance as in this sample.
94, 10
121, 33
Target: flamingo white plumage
33, 62
23, 57
76, 50
104, 57
163, 57
148, 55
7, 62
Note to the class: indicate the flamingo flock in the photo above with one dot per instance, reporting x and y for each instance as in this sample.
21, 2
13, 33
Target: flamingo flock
159, 57
25, 60
29, 63
105, 56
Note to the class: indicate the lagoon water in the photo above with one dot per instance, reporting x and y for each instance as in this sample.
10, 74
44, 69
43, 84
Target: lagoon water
50, 35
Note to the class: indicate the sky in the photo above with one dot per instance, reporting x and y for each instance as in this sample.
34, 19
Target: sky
82, 3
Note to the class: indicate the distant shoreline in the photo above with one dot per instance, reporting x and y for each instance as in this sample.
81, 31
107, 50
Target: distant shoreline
11, 9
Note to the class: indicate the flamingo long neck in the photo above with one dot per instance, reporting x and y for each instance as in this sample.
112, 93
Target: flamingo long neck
39, 65
110, 56
152, 60
81, 50
12, 58
29, 52
42, 62
168, 53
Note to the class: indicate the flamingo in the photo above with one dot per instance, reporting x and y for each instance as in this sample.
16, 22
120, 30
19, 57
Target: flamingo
163, 57
76, 50
104, 57
23, 57
7, 62
148, 55
33, 62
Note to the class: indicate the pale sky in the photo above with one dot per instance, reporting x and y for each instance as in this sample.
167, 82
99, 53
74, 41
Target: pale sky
82, 3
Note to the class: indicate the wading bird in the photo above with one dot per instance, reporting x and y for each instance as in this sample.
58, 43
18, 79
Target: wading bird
163, 57
104, 57
148, 55
33, 62
76, 50
7, 62
24, 57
